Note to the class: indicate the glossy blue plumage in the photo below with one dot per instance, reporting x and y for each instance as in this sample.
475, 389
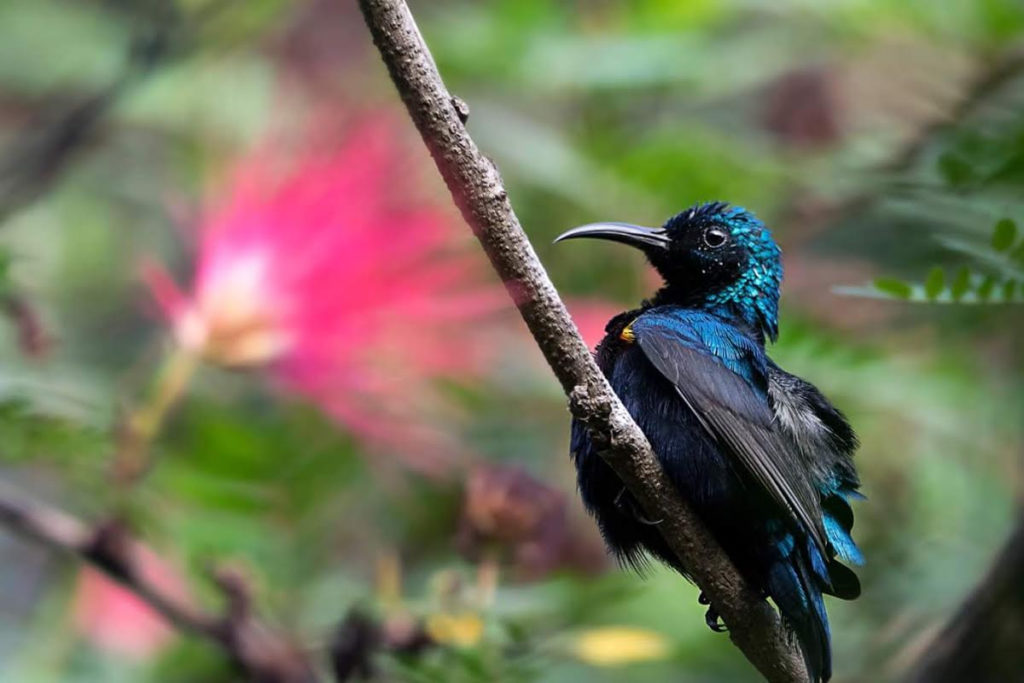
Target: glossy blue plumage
841, 540
756, 290
759, 453
708, 334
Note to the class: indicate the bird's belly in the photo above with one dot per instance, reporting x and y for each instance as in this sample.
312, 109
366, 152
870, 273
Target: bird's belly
690, 457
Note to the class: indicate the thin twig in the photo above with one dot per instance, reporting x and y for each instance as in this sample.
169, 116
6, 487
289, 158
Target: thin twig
63, 128
984, 641
991, 80
264, 655
478, 191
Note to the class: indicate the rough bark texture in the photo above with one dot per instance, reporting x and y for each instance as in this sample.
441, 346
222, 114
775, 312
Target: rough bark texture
984, 641
264, 655
476, 186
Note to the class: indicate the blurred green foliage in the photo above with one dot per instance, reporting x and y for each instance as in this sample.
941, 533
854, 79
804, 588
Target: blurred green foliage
1002, 257
592, 110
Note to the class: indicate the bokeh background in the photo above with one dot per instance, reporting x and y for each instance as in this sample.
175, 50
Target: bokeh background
216, 213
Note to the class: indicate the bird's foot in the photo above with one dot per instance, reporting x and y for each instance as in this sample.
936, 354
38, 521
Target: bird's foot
711, 617
714, 621
626, 503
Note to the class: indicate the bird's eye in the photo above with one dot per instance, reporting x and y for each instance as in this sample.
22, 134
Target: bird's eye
715, 237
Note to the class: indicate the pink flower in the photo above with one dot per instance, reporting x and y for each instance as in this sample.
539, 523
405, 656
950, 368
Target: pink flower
591, 316
116, 621
341, 275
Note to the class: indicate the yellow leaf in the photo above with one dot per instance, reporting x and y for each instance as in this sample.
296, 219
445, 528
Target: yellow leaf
461, 630
618, 645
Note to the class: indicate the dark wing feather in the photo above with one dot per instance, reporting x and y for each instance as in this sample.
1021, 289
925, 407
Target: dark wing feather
735, 414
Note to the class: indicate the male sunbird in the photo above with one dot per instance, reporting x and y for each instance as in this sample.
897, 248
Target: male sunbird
761, 455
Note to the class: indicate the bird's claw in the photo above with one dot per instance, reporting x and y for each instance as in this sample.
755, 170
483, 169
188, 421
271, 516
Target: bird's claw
625, 502
714, 622
711, 617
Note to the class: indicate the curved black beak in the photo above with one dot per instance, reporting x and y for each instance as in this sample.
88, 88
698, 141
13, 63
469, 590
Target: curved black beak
633, 235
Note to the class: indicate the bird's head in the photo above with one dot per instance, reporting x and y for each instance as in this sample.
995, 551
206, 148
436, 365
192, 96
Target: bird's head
712, 256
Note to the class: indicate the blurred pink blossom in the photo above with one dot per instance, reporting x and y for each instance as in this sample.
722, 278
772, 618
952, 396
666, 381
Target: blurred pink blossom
340, 274
591, 316
116, 621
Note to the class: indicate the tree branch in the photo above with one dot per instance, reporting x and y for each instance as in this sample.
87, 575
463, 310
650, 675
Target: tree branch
264, 655
476, 186
984, 641
989, 82
38, 154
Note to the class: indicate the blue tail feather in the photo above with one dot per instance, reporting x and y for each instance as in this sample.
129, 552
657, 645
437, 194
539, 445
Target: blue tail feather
838, 522
841, 540
795, 583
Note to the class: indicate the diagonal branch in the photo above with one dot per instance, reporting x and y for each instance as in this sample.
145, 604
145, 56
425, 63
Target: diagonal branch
264, 655
479, 193
984, 640
40, 153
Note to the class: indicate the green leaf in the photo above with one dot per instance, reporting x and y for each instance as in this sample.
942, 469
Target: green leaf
985, 289
934, 283
893, 287
961, 283
29, 433
955, 170
1004, 234
1018, 254
1009, 288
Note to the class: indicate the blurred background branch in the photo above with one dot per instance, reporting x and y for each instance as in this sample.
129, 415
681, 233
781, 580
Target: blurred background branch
984, 640
991, 76
61, 127
263, 654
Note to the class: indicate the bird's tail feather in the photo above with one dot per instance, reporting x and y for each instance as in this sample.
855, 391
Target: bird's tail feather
795, 584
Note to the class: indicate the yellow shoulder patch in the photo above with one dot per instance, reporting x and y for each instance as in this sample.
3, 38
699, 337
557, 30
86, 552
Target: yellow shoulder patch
627, 334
